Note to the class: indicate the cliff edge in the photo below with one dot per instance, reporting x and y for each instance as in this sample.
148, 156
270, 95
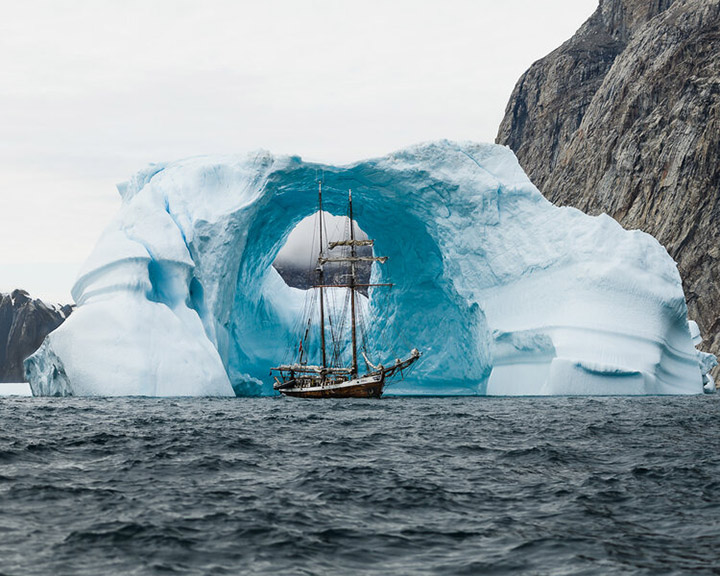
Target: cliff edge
624, 118
24, 323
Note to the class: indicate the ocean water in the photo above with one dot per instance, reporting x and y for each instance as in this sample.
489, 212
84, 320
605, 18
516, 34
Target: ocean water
390, 486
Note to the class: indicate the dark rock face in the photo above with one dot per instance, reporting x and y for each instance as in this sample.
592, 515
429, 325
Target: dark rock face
24, 323
296, 275
549, 101
624, 118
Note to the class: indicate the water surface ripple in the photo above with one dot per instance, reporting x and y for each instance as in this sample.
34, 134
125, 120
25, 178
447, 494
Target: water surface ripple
391, 486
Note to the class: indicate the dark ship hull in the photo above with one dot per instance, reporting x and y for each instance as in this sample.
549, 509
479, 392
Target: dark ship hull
370, 386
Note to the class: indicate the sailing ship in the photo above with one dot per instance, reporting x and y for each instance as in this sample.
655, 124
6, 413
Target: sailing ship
332, 378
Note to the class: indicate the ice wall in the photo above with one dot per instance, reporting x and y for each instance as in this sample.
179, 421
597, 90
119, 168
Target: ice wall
503, 292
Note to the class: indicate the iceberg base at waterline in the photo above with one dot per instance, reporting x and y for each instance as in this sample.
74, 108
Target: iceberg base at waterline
502, 292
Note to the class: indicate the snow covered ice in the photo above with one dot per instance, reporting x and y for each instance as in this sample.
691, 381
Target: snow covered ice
504, 293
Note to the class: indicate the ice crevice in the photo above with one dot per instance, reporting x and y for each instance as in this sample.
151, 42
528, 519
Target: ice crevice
504, 293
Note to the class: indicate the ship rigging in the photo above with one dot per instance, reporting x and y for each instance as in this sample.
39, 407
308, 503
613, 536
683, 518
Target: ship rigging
332, 377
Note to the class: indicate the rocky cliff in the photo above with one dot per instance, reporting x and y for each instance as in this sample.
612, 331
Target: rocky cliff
24, 323
624, 118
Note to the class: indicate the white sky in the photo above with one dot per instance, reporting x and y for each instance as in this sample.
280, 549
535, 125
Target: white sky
93, 90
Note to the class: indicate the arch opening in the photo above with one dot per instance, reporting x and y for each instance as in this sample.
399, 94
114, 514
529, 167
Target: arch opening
263, 320
296, 262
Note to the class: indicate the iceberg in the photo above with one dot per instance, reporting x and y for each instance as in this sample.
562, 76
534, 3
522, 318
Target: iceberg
503, 292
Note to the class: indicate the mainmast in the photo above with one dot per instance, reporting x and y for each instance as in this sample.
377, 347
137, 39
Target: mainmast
353, 255
320, 277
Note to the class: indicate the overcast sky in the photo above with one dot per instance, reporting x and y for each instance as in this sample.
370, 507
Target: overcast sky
93, 90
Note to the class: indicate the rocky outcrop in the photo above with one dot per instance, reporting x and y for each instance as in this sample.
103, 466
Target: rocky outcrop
24, 323
305, 277
624, 118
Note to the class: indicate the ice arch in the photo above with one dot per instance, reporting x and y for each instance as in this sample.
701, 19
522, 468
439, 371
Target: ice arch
503, 292
264, 310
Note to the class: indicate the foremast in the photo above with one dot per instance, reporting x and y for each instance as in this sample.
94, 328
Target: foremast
321, 282
353, 255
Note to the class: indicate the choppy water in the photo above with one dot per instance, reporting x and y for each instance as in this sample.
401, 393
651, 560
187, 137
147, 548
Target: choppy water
395, 486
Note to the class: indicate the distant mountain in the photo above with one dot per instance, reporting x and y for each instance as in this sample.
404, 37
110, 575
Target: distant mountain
297, 275
24, 323
624, 118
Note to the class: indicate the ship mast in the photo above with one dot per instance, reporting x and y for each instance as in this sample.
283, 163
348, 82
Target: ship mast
353, 255
321, 282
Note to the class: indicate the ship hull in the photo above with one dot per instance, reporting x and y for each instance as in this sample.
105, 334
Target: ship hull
364, 387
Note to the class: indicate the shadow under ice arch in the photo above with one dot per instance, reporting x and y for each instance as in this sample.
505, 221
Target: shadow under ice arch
503, 292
